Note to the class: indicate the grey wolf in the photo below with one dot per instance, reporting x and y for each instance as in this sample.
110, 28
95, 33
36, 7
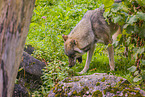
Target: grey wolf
90, 30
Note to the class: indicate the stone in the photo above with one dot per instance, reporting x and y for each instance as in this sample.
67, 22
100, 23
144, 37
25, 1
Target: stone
95, 85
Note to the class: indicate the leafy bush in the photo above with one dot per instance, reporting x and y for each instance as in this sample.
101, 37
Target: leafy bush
52, 74
131, 15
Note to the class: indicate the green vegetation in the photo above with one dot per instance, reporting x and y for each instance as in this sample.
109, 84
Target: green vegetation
125, 87
130, 15
103, 79
52, 18
97, 84
97, 93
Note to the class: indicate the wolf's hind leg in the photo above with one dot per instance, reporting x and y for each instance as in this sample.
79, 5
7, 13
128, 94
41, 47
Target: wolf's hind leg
89, 57
111, 57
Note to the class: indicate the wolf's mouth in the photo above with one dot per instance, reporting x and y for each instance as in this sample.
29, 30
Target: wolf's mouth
72, 61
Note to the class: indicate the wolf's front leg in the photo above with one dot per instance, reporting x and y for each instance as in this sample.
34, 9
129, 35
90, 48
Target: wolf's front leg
111, 57
89, 57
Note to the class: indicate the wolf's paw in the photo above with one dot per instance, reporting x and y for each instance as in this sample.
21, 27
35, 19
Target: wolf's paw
82, 72
111, 68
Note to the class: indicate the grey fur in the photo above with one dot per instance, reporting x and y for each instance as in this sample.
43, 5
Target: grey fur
90, 30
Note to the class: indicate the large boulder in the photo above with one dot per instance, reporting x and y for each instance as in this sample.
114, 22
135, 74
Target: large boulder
20, 91
29, 76
31, 65
95, 85
29, 49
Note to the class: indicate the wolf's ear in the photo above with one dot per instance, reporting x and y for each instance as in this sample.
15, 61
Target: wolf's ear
65, 37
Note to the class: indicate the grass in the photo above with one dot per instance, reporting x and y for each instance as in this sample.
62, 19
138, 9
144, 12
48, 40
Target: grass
100, 62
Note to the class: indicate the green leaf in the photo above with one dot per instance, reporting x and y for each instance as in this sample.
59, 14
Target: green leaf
119, 37
115, 43
125, 26
20, 69
140, 50
143, 62
109, 45
141, 2
132, 19
136, 79
128, 41
141, 15
116, 19
116, 7
136, 73
106, 13
132, 68
125, 8
108, 3
143, 76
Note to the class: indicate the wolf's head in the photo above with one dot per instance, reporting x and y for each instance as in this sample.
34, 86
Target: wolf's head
72, 50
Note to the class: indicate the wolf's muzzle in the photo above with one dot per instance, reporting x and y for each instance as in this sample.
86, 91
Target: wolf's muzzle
72, 61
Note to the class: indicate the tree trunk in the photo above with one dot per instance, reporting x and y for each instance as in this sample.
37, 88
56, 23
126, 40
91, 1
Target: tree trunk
15, 16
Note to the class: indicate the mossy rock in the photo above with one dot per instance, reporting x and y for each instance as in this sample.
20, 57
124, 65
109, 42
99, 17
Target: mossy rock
96, 85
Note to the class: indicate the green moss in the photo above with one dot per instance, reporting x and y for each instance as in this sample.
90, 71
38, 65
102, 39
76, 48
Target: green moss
138, 94
130, 93
112, 91
76, 79
32, 63
125, 84
104, 91
136, 91
119, 82
64, 88
69, 87
57, 95
97, 94
65, 95
85, 88
74, 92
109, 88
108, 84
115, 89
115, 96
103, 79
54, 91
121, 88
66, 92
67, 80
83, 91
121, 79
53, 88
81, 83
61, 92
62, 85
97, 84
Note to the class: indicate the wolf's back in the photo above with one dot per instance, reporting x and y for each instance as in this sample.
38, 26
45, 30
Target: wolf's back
92, 28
